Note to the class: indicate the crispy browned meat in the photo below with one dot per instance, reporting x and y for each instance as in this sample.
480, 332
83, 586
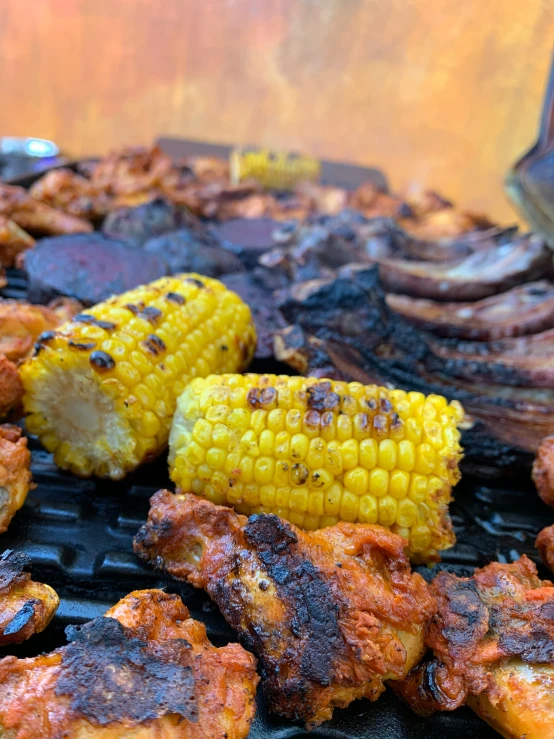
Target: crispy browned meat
132, 171
21, 324
15, 472
330, 614
493, 646
13, 241
31, 215
543, 470
545, 545
145, 670
72, 193
26, 607
11, 387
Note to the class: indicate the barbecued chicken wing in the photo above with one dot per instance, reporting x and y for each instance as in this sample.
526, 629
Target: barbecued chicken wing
15, 473
330, 614
493, 645
26, 607
143, 671
31, 215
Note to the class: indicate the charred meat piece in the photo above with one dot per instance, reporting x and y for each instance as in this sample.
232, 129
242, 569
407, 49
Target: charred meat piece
89, 268
186, 250
543, 471
330, 614
11, 388
137, 225
545, 545
145, 669
72, 193
26, 607
527, 309
267, 318
36, 217
493, 647
21, 324
13, 241
247, 238
15, 473
478, 276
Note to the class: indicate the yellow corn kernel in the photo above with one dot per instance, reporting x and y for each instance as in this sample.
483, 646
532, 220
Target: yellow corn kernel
299, 445
246, 469
406, 513
368, 510
399, 483
282, 471
349, 506
215, 458
315, 503
298, 499
333, 458
418, 488
406, 455
264, 469
221, 436
349, 453
316, 453
321, 479
356, 480
267, 495
344, 428
425, 459
332, 499
387, 510
378, 482
387, 454
267, 443
282, 445
369, 453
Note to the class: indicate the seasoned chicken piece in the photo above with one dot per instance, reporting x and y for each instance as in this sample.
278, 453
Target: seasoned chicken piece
30, 215
11, 388
72, 193
133, 170
543, 470
493, 646
13, 241
15, 473
545, 545
26, 607
21, 324
330, 614
145, 670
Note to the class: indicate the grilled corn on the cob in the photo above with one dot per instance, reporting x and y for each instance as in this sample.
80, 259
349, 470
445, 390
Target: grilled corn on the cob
317, 452
101, 390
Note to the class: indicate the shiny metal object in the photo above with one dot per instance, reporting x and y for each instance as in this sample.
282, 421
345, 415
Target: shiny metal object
27, 147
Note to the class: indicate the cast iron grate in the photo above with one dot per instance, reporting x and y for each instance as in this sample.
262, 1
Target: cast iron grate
78, 534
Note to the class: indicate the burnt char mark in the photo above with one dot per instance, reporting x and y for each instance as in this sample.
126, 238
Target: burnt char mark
321, 397
464, 601
46, 336
135, 309
101, 361
261, 398
92, 321
12, 565
176, 298
83, 346
314, 612
194, 281
153, 345
534, 646
151, 314
111, 676
157, 341
22, 618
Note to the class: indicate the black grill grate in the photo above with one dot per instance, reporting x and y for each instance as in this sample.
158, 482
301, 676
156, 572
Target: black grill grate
78, 534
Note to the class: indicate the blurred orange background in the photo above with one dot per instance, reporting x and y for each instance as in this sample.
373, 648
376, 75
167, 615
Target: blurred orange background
438, 93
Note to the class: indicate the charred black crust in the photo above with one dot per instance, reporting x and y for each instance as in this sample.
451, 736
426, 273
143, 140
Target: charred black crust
91, 320
157, 341
322, 398
46, 336
111, 676
83, 346
176, 298
309, 600
153, 345
12, 565
151, 314
22, 618
472, 621
101, 361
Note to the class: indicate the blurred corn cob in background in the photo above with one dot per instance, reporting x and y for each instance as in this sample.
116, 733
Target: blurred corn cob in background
273, 170
101, 390
317, 452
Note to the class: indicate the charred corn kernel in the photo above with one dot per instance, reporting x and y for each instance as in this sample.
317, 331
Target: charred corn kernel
101, 390
393, 459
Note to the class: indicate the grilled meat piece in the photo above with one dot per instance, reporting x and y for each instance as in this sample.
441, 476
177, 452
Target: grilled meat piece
137, 224
26, 607
188, 250
543, 470
526, 309
30, 215
11, 389
15, 473
477, 276
21, 324
13, 241
248, 238
545, 545
133, 170
71, 193
88, 267
144, 670
493, 647
330, 614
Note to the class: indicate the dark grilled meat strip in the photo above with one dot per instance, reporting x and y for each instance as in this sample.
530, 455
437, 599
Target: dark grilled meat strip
144, 670
477, 276
493, 647
330, 614
526, 309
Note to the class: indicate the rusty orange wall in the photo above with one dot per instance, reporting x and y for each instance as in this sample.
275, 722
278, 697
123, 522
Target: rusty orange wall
445, 93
